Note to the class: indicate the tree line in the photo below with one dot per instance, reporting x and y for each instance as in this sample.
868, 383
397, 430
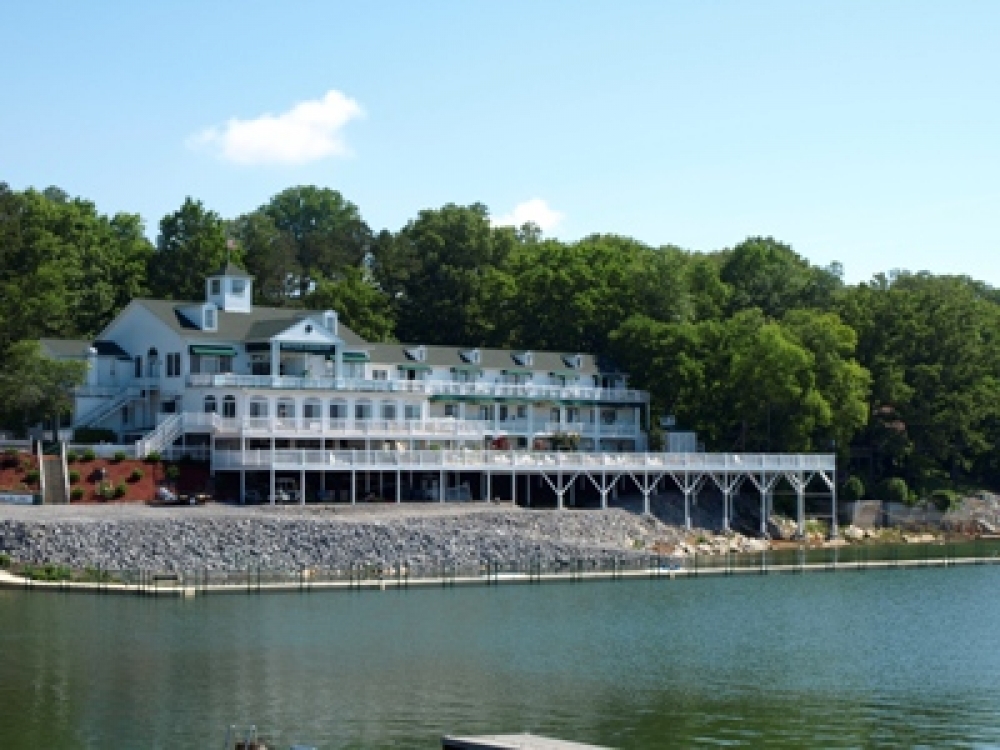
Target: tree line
751, 346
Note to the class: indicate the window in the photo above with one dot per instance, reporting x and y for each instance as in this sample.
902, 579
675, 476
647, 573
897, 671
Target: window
388, 411
258, 407
554, 416
608, 416
572, 415
451, 410
486, 413
225, 364
138, 367
312, 409
229, 407
125, 415
174, 365
338, 410
211, 406
380, 374
260, 365
522, 412
239, 287
502, 413
210, 318
412, 411
286, 408
216, 288
363, 410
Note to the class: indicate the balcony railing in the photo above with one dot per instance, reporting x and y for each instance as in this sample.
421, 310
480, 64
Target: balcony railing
522, 461
422, 387
393, 429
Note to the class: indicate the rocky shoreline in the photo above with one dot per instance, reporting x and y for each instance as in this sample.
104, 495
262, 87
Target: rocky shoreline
224, 538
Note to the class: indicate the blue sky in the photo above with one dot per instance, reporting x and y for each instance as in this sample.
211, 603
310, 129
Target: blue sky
859, 132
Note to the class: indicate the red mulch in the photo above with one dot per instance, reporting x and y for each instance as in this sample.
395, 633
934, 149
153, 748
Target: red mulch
193, 478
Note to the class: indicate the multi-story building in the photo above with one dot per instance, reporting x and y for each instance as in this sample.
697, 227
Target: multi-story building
291, 404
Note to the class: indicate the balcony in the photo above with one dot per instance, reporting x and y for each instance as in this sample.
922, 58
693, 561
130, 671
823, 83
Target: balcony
422, 387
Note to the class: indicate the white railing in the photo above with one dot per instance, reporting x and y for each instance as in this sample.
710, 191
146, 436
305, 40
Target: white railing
103, 450
339, 427
423, 387
520, 461
164, 435
591, 429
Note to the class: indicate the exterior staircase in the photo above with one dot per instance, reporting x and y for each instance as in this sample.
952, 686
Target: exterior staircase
54, 480
106, 409
162, 437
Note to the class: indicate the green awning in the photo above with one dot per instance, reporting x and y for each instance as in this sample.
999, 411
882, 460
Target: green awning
414, 367
307, 347
518, 371
565, 373
212, 351
355, 356
466, 368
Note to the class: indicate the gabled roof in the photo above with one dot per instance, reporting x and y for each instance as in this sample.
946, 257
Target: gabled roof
233, 270
259, 323
65, 348
492, 359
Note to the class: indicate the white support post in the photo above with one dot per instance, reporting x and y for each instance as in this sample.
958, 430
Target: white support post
687, 507
489, 497
302, 480
560, 490
645, 501
800, 496
243, 484
834, 531
354, 482
527, 479
604, 490
441, 480
399, 486
513, 488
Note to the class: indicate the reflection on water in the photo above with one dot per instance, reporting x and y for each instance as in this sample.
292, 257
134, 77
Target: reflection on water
849, 659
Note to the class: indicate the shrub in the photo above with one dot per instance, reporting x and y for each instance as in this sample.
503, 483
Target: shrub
135, 476
31, 477
74, 476
94, 435
106, 490
945, 500
119, 457
4, 560
120, 489
76, 494
173, 473
71, 457
47, 572
89, 454
853, 490
893, 490
153, 458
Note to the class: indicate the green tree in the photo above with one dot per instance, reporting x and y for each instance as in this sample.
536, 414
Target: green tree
191, 246
358, 303
325, 230
35, 387
269, 255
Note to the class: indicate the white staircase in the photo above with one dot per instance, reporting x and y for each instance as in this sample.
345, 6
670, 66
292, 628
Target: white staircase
107, 408
162, 437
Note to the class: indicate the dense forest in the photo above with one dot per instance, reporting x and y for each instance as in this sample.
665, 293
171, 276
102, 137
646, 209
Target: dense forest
751, 346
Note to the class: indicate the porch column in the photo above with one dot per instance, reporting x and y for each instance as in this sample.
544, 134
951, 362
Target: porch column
275, 359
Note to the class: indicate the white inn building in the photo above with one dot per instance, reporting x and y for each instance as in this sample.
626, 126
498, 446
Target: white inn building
292, 404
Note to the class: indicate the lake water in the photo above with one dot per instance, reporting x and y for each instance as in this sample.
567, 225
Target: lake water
898, 658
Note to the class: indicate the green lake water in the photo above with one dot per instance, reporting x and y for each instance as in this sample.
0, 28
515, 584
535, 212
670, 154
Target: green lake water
895, 658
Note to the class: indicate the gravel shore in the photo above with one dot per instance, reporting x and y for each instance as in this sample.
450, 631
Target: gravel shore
290, 538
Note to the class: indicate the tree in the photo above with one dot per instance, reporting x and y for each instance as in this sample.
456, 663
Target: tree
440, 260
191, 246
325, 230
359, 304
269, 255
34, 387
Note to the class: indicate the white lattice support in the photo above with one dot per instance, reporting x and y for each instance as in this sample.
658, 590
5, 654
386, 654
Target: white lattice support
830, 480
604, 487
645, 487
727, 483
799, 483
559, 487
765, 485
690, 488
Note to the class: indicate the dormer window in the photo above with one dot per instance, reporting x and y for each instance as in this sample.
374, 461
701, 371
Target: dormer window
216, 287
330, 321
471, 356
239, 287
525, 359
573, 360
417, 354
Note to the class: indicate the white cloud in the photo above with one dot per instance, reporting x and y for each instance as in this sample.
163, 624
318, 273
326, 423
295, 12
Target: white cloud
536, 211
309, 131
